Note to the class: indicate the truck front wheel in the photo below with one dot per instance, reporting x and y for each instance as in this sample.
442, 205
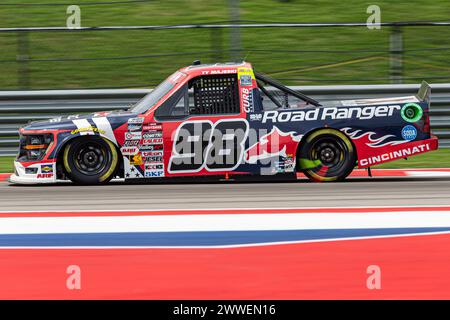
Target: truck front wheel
90, 160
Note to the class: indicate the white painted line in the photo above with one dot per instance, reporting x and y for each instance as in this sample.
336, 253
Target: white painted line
224, 222
428, 174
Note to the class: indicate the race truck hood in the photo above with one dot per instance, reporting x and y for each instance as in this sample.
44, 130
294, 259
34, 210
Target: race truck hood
67, 122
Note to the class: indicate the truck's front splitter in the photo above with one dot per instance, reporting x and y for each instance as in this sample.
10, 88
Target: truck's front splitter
36, 173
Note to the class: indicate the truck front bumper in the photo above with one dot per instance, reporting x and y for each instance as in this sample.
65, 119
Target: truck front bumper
36, 173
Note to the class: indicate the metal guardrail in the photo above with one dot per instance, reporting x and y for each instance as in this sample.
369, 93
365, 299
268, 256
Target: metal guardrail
19, 107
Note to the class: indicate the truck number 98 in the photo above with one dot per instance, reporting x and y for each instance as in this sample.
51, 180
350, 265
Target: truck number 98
202, 144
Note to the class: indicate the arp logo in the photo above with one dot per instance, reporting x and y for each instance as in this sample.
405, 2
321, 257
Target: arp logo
274, 144
44, 175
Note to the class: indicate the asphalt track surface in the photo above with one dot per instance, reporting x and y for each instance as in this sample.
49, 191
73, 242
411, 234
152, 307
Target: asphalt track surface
412, 267
408, 191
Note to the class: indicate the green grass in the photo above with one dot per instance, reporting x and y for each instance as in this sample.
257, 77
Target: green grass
258, 44
434, 159
6, 164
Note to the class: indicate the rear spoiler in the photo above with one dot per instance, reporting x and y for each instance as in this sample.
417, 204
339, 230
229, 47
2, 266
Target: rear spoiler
424, 92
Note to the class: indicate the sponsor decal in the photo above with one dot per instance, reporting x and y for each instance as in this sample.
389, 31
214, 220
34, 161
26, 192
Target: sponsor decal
45, 175
133, 135
136, 160
245, 80
247, 100
256, 117
152, 141
87, 129
154, 166
278, 167
134, 127
129, 151
101, 114
131, 143
47, 168
245, 76
409, 132
152, 147
218, 71
411, 112
154, 174
152, 159
331, 113
152, 153
289, 163
152, 135
57, 119
135, 120
152, 127
284, 166
403, 153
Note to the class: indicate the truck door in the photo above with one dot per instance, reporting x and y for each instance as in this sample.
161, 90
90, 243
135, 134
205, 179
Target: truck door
204, 128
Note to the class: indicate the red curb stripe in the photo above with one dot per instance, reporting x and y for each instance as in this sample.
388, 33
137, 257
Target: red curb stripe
411, 268
217, 211
4, 176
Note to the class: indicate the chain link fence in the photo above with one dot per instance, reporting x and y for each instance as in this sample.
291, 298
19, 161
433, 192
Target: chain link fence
296, 53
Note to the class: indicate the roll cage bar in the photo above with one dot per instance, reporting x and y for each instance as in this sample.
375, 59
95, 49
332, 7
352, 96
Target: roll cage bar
274, 83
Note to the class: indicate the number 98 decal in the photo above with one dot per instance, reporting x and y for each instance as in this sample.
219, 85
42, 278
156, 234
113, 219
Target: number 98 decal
202, 144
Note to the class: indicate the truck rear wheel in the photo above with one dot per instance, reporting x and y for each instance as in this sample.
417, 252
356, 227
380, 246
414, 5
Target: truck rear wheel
90, 160
326, 155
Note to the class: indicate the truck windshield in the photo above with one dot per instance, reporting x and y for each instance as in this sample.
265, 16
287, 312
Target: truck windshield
157, 94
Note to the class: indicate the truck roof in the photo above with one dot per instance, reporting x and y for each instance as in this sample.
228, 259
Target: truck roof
215, 66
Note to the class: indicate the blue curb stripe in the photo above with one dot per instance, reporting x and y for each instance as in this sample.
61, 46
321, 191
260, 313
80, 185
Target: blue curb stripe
203, 238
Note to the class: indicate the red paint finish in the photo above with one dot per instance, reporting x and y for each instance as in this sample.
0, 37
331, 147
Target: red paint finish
411, 268
387, 153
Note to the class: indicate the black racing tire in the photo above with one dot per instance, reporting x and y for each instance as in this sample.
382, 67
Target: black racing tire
90, 160
326, 155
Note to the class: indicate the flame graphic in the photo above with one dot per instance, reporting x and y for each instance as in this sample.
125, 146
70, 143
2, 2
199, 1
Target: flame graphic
275, 143
370, 139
